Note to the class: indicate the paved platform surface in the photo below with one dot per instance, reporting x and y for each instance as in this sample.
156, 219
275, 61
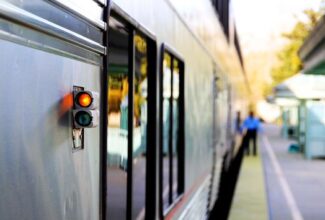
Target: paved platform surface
294, 186
305, 180
249, 201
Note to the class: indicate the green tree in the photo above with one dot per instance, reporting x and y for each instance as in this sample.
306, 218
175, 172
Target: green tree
289, 62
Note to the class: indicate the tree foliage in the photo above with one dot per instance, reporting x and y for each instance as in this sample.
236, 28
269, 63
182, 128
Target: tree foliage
289, 61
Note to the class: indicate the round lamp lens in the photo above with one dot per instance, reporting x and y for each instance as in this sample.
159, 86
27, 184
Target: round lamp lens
84, 100
83, 118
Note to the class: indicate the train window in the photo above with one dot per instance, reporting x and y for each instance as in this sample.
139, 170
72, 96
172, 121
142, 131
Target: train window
166, 127
140, 121
118, 107
172, 128
131, 86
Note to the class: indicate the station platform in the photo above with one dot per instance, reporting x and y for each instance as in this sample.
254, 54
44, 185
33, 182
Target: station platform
250, 197
277, 184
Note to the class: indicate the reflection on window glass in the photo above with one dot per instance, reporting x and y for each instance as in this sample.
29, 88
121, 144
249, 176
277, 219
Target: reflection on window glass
140, 121
171, 173
166, 105
117, 146
175, 125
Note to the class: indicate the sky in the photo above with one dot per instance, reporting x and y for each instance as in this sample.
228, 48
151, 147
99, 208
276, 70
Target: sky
261, 22
260, 25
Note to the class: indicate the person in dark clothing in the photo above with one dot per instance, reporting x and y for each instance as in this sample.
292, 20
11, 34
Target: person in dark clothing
251, 125
238, 122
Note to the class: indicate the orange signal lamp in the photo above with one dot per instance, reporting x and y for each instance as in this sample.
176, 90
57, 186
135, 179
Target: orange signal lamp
84, 100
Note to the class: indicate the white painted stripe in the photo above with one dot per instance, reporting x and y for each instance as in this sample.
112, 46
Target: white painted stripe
295, 212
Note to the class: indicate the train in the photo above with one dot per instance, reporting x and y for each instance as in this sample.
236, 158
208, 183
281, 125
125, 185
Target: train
166, 111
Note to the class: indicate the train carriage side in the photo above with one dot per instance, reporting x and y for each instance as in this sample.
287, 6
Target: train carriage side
160, 90
47, 48
162, 20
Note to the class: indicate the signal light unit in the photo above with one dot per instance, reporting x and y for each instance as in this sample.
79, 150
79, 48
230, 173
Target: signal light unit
85, 113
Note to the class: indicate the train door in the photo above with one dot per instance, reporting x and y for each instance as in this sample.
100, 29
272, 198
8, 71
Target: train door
132, 110
214, 177
47, 49
220, 106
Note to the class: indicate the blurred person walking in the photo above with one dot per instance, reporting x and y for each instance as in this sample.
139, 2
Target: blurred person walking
251, 126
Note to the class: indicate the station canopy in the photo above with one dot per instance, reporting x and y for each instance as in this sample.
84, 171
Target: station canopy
301, 86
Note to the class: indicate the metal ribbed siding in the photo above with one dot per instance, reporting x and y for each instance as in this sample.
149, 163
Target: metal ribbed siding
41, 60
197, 207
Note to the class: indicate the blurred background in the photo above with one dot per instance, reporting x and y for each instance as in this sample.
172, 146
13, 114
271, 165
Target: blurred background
270, 34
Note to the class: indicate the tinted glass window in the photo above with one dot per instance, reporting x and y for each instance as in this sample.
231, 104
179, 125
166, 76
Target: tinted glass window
140, 121
118, 106
171, 146
166, 108
131, 69
175, 132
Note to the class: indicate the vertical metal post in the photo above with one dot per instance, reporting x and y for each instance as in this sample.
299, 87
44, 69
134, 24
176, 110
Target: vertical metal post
181, 131
131, 74
103, 122
152, 146
160, 146
170, 141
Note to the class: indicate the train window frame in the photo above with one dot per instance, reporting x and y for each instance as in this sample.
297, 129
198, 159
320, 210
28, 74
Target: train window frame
133, 28
165, 48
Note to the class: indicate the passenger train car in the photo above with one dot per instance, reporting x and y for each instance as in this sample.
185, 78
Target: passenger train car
166, 112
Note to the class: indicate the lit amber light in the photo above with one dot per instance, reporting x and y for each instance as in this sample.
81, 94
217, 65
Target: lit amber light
66, 104
84, 100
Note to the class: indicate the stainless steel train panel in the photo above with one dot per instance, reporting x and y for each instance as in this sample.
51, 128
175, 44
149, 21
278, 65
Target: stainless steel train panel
84, 18
41, 176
